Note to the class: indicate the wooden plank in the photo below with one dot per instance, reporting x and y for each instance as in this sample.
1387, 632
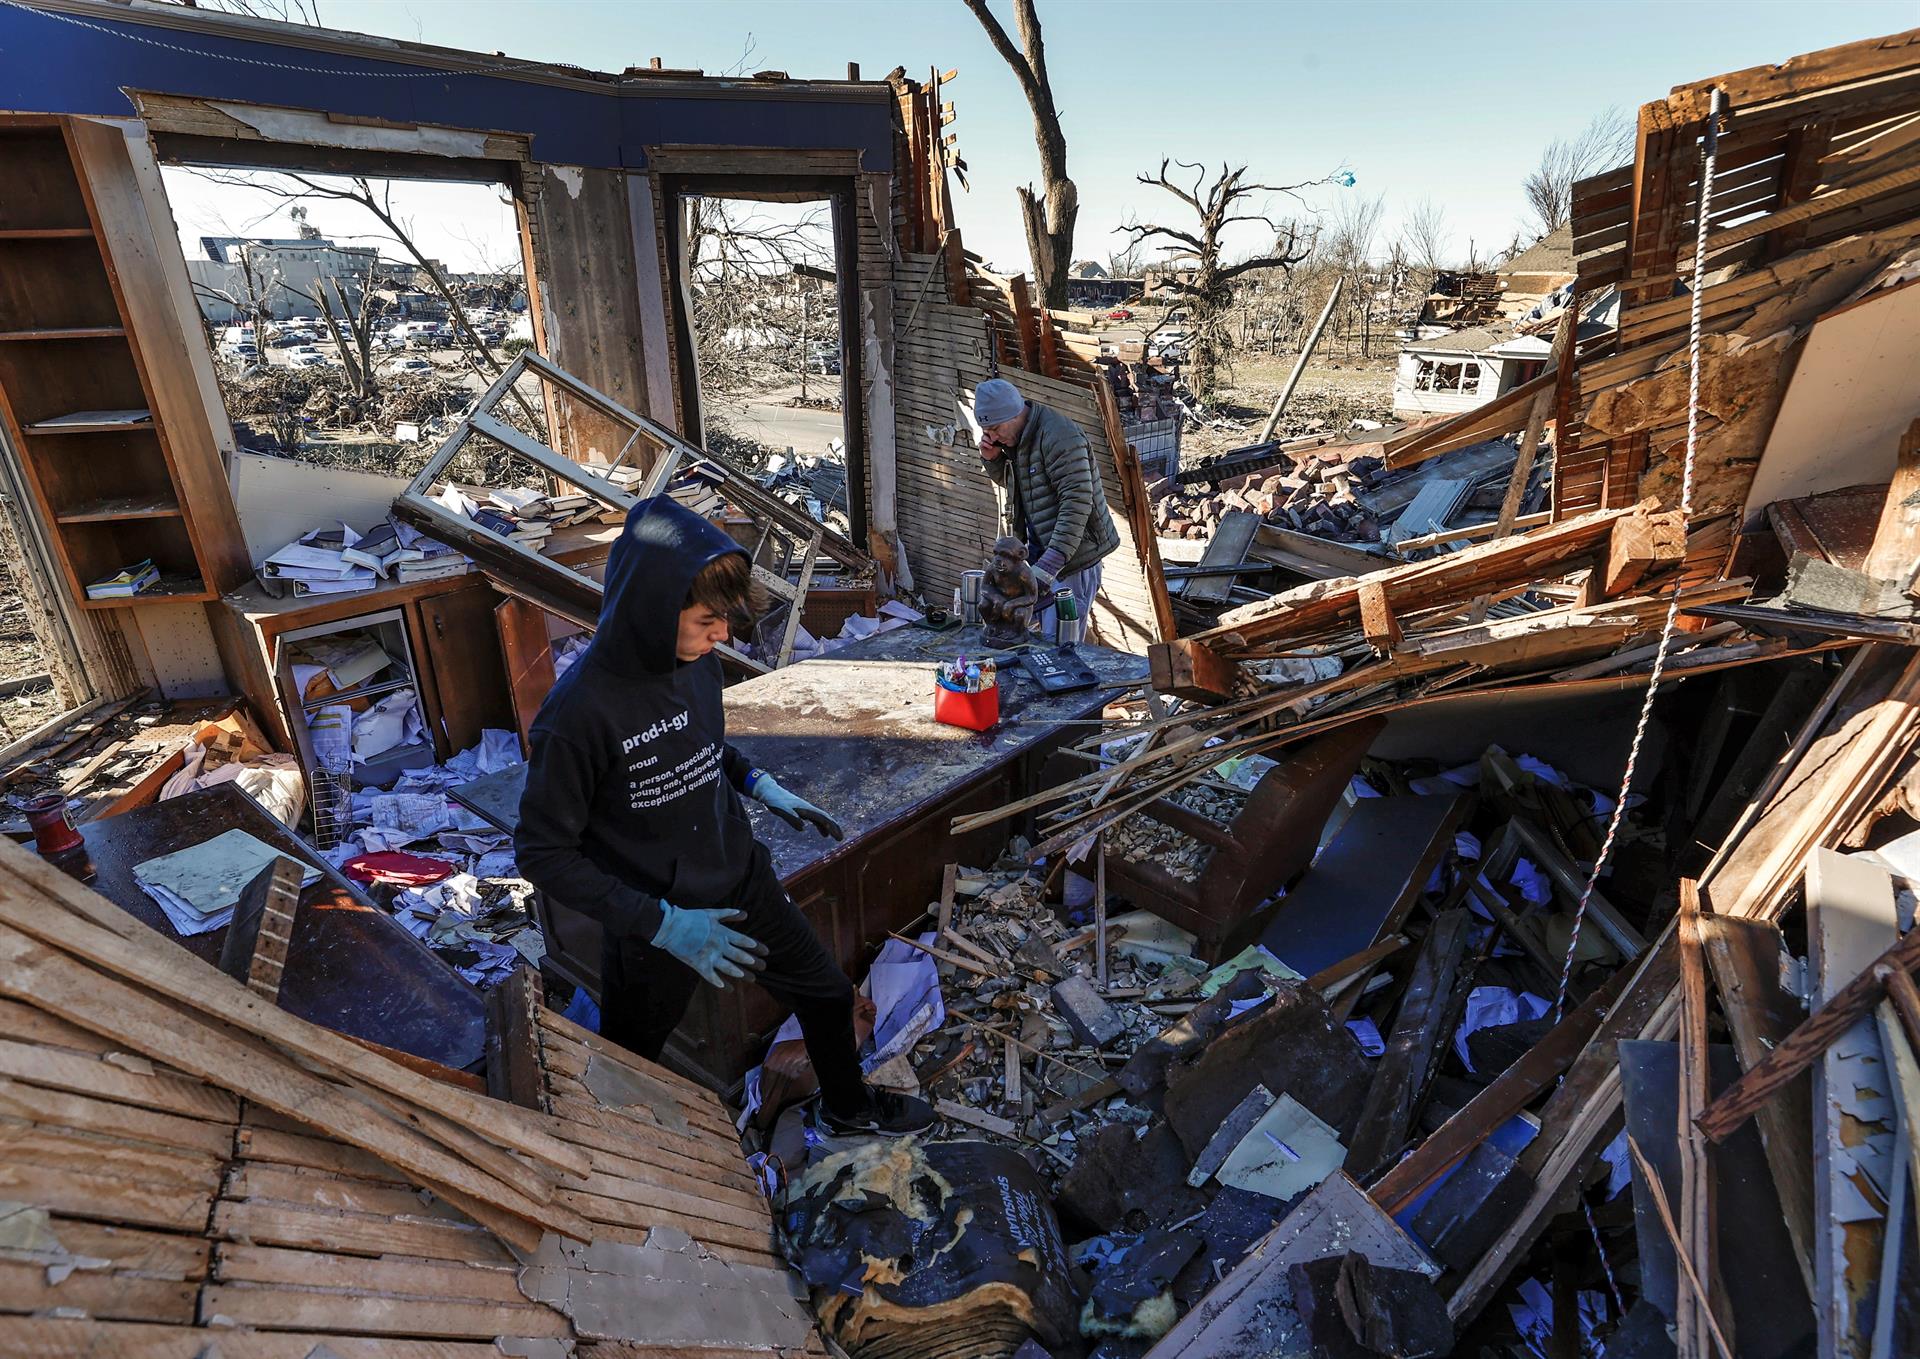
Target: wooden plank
139, 1019
275, 1307
168, 1255
513, 1041
165, 1091
258, 1142
1575, 1121
1847, 1003
282, 1224
1745, 957
1428, 1011
1510, 1092
113, 1296
255, 951
111, 1198
1696, 1246
464, 1280
317, 1189
1377, 623
1851, 749
1320, 606
1896, 543
1639, 545
64, 1337
62, 1108
757, 1239
1503, 415
187, 981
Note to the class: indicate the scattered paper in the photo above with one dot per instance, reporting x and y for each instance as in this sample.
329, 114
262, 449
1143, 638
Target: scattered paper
199, 887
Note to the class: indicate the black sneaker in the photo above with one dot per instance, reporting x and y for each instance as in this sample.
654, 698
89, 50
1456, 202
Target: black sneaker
888, 1114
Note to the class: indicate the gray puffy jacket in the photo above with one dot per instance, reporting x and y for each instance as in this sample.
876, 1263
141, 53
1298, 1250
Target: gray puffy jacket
1056, 498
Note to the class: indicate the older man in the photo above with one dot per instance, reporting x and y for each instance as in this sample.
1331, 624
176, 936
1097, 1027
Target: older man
1055, 502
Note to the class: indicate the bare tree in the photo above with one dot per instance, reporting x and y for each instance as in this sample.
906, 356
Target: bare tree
1426, 237
763, 294
1201, 280
286, 11
1049, 229
298, 189
1606, 142
1128, 261
354, 327
1347, 245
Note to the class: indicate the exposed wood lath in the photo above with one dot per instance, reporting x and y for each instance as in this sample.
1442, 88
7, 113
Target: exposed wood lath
161, 1205
1817, 182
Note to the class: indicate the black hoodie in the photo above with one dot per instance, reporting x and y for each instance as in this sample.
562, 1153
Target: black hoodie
630, 791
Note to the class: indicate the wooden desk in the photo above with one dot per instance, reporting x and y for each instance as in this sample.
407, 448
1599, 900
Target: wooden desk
350, 966
854, 733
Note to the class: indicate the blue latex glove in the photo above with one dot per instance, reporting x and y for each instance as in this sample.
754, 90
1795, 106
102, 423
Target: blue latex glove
795, 811
702, 941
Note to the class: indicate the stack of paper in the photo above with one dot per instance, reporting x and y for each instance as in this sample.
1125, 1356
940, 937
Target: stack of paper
381, 550
316, 564
130, 580
426, 558
199, 886
393, 721
626, 476
348, 659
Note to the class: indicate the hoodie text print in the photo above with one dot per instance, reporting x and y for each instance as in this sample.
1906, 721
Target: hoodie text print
632, 792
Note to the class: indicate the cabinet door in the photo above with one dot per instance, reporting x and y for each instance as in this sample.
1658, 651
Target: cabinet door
529, 660
469, 680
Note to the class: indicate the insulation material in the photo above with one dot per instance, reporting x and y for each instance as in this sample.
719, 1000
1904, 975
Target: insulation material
910, 1239
1740, 389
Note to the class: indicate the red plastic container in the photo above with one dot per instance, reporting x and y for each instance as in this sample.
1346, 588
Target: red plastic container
958, 708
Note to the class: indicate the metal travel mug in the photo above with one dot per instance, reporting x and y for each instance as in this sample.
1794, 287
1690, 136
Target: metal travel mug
972, 585
1068, 626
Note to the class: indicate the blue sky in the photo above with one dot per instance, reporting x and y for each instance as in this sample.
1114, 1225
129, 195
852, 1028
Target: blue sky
1419, 100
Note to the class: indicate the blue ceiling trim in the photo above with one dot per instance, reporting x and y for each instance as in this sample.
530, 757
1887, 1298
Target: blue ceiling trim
49, 65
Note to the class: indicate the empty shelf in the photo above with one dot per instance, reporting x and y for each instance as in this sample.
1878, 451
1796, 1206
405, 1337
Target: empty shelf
121, 507
65, 333
93, 422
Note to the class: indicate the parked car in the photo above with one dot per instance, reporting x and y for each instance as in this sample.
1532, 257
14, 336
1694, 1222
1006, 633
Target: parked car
1119, 314
243, 352
411, 364
307, 358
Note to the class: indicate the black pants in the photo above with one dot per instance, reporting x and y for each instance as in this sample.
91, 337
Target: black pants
645, 991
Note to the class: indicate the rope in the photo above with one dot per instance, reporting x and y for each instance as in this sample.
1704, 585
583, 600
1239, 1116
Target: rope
1709, 148
1606, 1266
345, 73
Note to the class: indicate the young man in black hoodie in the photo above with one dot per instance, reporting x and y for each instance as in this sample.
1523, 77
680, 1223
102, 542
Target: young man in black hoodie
632, 815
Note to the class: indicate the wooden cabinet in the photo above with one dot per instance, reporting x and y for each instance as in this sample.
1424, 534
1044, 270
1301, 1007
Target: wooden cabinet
464, 684
452, 646
96, 387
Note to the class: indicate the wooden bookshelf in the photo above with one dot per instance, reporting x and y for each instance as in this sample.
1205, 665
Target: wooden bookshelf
95, 391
